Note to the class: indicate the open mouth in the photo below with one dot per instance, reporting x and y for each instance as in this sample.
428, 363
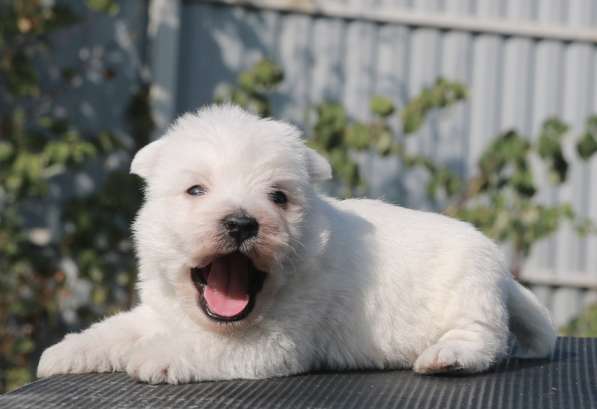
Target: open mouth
228, 287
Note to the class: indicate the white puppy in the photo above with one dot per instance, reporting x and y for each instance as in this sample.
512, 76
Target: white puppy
246, 272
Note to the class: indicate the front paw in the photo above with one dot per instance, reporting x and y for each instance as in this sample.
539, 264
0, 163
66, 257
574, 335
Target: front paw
453, 356
158, 361
76, 353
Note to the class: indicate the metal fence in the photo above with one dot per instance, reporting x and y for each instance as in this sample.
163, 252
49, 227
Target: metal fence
523, 61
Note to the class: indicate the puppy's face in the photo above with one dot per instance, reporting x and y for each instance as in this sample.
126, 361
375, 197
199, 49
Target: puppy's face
227, 196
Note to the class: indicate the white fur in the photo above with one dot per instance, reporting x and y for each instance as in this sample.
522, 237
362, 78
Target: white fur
351, 284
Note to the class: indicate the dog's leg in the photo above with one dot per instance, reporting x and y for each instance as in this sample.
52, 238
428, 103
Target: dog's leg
103, 347
473, 348
192, 357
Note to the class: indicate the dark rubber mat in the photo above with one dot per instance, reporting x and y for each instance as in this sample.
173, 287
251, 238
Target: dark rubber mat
568, 381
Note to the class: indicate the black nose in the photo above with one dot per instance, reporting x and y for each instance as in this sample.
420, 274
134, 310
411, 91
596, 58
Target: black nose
240, 227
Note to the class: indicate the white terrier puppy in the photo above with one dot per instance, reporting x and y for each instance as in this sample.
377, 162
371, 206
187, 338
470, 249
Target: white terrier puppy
247, 272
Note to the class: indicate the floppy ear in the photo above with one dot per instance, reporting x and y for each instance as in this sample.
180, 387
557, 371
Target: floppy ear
145, 160
318, 167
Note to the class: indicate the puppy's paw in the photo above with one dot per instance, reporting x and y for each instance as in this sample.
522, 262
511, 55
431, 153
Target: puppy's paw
76, 353
157, 361
452, 356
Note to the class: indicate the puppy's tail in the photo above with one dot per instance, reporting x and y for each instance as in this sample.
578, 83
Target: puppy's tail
531, 324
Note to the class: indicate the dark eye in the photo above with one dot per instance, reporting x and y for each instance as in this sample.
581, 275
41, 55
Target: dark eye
196, 190
279, 197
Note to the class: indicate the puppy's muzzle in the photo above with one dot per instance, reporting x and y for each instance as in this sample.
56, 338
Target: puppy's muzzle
240, 227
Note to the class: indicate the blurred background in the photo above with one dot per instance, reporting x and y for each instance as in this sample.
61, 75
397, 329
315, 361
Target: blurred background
483, 110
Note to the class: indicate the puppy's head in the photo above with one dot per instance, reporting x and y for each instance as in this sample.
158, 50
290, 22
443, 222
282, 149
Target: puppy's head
227, 199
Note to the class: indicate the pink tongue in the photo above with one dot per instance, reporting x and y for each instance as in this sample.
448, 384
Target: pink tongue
227, 290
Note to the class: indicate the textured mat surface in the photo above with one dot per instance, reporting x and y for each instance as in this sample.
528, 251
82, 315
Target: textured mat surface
568, 381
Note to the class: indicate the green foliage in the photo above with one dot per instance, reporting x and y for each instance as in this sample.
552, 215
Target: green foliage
382, 106
442, 94
106, 6
331, 132
338, 137
583, 326
40, 151
253, 86
550, 150
499, 197
587, 145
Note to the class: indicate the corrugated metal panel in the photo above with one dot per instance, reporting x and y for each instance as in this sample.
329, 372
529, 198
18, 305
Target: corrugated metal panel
514, 82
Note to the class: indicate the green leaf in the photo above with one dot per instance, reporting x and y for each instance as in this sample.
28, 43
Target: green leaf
24, 346
559, 168
441, 94
104, 6
330, 126
358, 136
452, 184
246, 80
587, 146
549, 147
16, 377
263, 76
524, 184
382, 106
385, 142
411, 122
268, 74
6, 151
